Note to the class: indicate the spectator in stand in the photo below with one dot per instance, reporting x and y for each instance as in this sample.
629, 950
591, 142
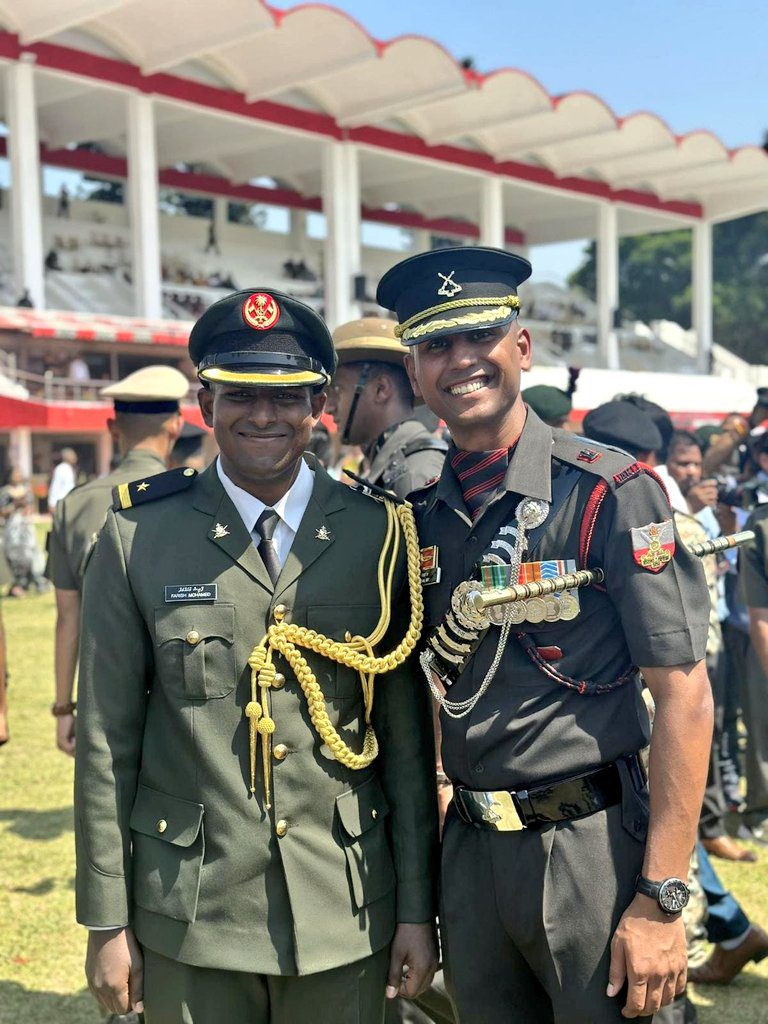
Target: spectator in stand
62, 210
79, 369
753, 570
63, 478
693, 502
25, 302
52, 260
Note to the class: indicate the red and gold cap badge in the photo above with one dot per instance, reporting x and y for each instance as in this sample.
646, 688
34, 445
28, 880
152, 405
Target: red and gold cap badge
261, 311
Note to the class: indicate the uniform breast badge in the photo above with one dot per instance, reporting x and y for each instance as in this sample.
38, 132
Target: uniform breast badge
220, 530
322, 533
449, 287
653, 545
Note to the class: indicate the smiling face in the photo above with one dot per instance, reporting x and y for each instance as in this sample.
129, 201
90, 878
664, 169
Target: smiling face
261, 433
472, 381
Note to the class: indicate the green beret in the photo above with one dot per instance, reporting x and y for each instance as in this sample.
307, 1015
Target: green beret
547, 402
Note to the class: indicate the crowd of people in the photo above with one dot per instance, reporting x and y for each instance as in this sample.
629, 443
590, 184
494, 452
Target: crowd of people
562, 886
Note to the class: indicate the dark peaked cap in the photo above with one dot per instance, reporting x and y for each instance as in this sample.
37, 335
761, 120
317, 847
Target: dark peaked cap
260, 338
624, 425
447, 291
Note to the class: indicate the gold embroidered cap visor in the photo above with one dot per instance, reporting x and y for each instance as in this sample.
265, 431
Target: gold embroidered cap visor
260, 338
448, 291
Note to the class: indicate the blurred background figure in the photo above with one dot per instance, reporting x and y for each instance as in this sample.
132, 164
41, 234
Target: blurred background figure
551, 404
22, 551
63, 478
622, 424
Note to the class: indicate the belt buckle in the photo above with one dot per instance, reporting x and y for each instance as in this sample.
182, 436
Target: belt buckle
496, 809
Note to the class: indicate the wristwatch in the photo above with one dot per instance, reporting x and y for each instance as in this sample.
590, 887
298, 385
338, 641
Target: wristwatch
672, 894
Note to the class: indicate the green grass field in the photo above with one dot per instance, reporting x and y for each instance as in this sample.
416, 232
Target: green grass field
41, 947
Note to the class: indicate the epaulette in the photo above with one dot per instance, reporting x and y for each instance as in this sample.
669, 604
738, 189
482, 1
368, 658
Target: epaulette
152, 487
601, 460
363, 486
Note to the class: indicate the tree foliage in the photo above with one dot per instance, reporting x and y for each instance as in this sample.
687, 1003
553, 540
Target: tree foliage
655, 281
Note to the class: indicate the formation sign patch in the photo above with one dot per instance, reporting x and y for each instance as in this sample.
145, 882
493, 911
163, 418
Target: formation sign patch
653, 545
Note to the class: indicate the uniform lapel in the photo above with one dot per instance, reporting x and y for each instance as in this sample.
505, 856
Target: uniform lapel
226, 529
316, 534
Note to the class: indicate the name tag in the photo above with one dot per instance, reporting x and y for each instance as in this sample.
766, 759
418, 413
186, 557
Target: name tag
192, 592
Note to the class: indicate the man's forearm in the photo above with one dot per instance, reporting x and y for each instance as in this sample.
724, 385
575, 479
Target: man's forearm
679, 757
67, 643
758, 631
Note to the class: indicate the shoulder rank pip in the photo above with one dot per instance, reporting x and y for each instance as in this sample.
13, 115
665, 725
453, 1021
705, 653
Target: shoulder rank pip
152, 487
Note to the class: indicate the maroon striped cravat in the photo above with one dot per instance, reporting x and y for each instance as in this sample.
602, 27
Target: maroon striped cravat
479, 474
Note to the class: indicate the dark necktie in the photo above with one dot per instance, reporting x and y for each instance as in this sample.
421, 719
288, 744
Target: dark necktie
479, 474
266, 525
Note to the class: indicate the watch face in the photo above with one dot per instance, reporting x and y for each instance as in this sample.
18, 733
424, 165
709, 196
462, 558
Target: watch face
673, 895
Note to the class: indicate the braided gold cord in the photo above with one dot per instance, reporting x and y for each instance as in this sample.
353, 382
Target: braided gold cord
512, 301
488, 316
354, 652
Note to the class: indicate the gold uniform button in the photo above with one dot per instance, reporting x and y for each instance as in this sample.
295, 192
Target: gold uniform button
279, 681
280, 752
281, 827
280, 610
193, 637
189, 472
161, 826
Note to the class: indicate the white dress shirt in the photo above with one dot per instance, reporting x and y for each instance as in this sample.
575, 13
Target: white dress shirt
63, 481
291, 508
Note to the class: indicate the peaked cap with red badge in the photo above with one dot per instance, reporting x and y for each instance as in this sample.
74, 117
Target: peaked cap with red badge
262, 338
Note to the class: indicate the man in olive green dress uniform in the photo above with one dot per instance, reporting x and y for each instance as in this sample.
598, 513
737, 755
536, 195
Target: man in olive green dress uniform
561, 888
144, 429
255, 801
371, 400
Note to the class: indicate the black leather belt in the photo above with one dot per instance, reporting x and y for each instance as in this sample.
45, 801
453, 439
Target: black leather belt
504, 810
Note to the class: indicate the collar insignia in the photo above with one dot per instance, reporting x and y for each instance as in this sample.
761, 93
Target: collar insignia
322, 533
143, 486
220, 531
449, 287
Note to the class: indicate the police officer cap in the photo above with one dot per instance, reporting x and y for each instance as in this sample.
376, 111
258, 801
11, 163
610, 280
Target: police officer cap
548, 402
260, 338
447, 291
371, 339
153, 389
624, 425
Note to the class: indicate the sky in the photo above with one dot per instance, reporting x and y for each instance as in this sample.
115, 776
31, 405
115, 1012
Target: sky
695, 63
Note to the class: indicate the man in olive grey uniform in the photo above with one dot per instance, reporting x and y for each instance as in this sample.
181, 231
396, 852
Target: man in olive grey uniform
255, 801
753, 573
542, 715
371, 401
145, 427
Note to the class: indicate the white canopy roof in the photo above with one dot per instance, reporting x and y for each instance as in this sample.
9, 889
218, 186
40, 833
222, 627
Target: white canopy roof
313, 70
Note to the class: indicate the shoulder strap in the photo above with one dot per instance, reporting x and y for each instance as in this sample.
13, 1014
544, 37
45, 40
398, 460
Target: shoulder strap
150, 488
424, 444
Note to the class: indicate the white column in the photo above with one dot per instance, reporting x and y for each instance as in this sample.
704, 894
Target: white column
143, 199
607, 283
701, 310
26, 205
298, 232
341, 206
20, 449
492, 212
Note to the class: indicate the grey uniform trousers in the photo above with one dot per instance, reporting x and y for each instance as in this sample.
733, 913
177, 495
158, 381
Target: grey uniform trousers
176, 993
527, 919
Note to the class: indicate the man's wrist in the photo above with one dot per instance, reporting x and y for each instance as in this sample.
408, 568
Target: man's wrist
61, 708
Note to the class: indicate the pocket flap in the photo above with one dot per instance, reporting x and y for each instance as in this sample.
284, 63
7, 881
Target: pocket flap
166, 817
362, 808
176, 622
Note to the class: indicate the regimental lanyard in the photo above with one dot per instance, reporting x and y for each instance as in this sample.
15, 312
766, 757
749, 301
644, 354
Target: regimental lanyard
458, 636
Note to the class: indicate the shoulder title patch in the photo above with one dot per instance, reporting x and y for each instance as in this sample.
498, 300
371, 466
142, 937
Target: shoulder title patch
138, 492
627, 474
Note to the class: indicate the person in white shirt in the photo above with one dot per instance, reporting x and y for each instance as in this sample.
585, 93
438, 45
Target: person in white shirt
63, 479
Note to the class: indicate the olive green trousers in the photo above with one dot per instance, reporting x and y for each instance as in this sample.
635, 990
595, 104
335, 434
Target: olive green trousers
176, 993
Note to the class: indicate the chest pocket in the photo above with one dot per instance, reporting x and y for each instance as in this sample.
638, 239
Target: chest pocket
335, 621
195, 651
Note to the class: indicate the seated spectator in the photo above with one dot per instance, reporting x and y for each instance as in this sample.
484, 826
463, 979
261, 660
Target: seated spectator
25, 558
52, 260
